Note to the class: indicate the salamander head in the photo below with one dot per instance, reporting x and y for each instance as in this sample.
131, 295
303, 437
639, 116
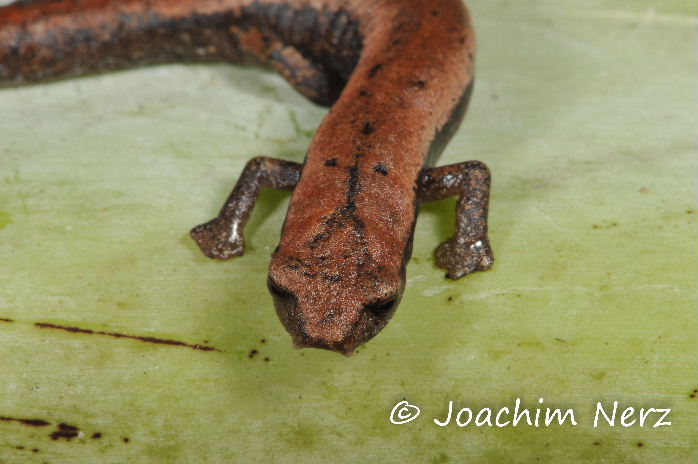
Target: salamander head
333, 304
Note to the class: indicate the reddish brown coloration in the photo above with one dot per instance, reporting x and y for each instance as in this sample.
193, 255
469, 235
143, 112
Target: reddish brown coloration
161, 341
399, 75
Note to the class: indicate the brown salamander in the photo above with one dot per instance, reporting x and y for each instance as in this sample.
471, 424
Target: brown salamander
397, 74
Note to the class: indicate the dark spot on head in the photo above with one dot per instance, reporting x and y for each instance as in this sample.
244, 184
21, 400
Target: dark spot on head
374, 70
421, 84
331, 162
397, 42
253, 353
462, 40
381, 169
471, 57
435, 12
363, 93
367, 128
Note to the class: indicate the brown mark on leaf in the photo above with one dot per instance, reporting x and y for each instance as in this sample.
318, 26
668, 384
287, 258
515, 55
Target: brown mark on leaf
65, 431
29, 422
160, 341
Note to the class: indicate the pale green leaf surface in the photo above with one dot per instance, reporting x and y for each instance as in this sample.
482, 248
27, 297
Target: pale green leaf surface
585, 113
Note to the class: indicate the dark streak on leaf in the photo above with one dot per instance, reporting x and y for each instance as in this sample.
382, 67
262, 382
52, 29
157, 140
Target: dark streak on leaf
161, 341
29, 422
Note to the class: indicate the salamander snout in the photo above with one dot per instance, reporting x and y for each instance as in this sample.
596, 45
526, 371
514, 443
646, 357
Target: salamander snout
339, 325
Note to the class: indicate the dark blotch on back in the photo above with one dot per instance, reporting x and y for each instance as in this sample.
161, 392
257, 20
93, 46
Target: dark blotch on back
367, 128
381, 169
374, 70
331, 162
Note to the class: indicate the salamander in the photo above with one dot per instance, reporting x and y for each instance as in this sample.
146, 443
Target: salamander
397, 76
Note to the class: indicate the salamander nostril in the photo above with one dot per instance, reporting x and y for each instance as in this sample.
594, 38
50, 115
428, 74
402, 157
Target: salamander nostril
382, 308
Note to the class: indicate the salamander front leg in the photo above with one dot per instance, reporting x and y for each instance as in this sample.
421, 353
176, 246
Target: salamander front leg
469, 248
222, 237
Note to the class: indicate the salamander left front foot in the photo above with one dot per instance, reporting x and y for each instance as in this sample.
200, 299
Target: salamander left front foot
460, 258
469, 248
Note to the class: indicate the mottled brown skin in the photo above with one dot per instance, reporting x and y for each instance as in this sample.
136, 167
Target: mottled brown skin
398, 75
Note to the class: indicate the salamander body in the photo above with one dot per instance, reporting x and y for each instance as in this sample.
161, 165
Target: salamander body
397, 74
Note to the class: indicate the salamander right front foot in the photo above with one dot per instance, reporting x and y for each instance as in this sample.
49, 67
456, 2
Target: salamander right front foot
218, 239
221, 238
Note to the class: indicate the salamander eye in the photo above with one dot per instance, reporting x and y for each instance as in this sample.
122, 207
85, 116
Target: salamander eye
280, 294
382, 308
